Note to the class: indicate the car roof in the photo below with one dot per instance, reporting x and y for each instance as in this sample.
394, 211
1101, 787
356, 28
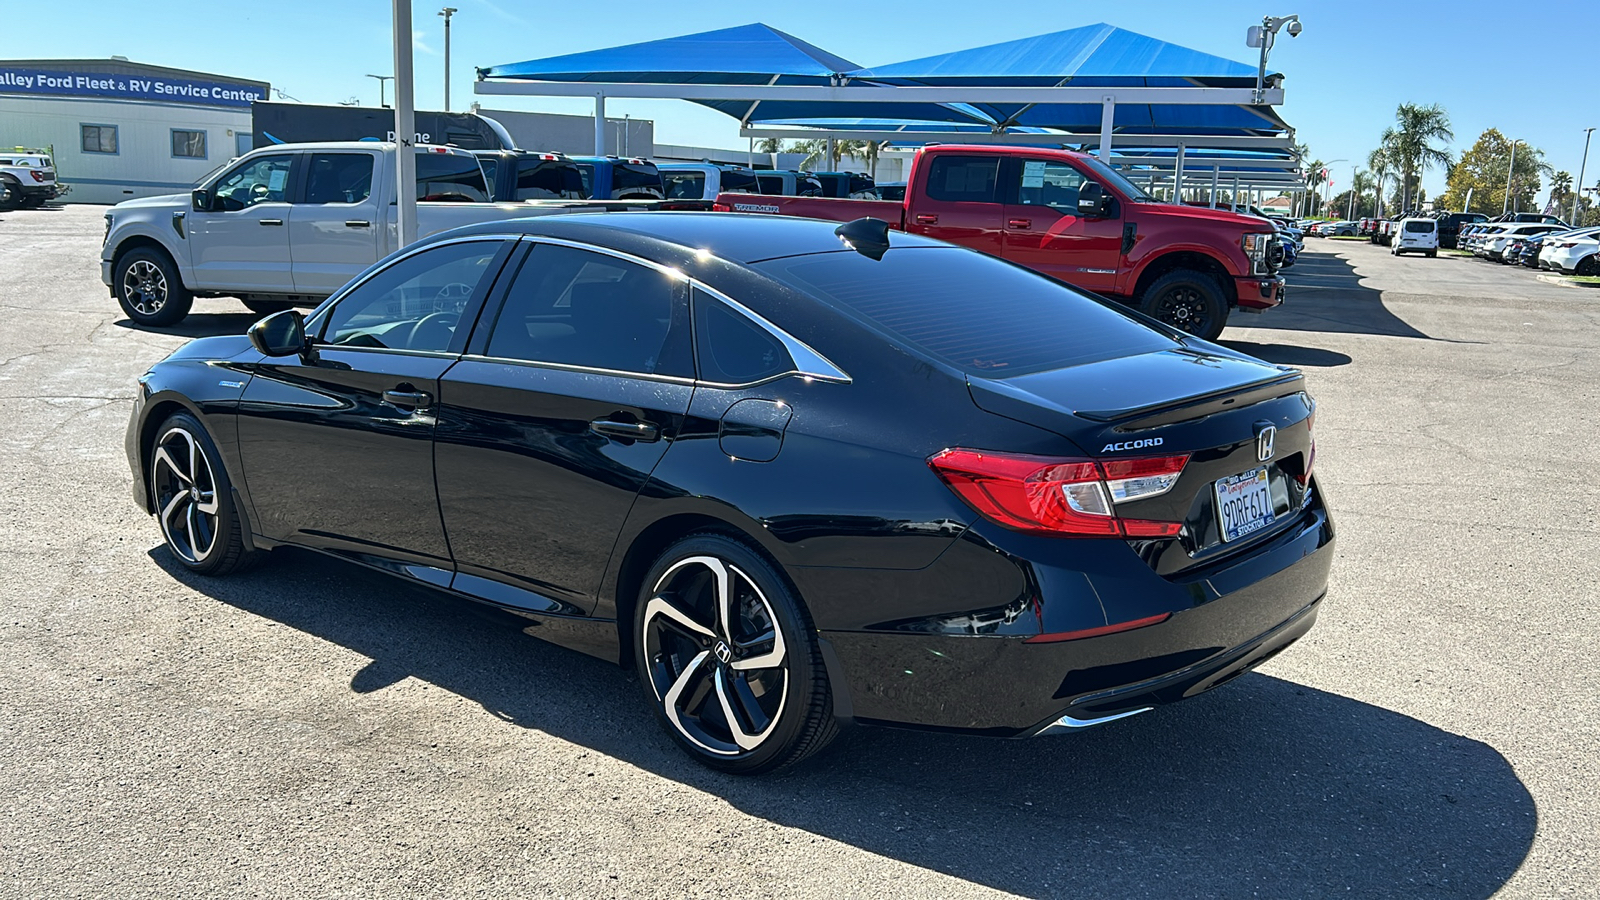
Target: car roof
736, 237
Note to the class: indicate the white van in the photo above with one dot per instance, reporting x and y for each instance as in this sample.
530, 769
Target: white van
1416, 236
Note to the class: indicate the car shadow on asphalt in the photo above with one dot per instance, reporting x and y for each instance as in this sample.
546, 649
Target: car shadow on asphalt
1326, 294
199, 326
1262, 788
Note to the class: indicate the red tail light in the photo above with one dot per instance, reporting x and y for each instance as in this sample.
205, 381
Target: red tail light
1063, 497
721, 207
38, 176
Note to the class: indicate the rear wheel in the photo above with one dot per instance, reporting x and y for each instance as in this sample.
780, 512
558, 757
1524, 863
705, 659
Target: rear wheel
1589, 266
729, 659
194, 499
1187, 300
10, 196
149, 289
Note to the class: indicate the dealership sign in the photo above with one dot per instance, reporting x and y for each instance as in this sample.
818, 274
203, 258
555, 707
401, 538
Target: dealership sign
101, 84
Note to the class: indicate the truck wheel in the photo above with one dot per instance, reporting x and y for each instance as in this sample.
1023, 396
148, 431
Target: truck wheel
1187, 300
10, 196
267, 307
149, 289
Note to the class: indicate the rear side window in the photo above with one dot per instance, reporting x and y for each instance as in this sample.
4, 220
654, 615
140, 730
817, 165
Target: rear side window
977, 313
339, 178
738, 182
731, 348
450, 178
770, 184
581, 308
964, 178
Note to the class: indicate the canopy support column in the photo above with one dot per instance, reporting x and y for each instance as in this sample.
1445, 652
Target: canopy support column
1108, 118
1216, 175
1177, 176
1235, 193
599, 124
405, 129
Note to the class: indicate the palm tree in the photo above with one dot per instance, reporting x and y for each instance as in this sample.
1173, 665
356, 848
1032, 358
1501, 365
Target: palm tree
1382, 167
1416, 130
769, 145
1316, 174
816, 151
870, 154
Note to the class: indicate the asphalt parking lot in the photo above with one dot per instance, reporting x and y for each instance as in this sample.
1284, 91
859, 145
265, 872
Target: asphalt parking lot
310, 729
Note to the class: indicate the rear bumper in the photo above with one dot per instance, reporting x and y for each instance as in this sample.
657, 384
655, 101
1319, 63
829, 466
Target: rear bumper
1259, 291
1224, 621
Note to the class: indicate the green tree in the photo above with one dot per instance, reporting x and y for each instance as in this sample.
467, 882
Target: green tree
1482, 172
816, 151
1382, 167
1411, 143
1561, 193
769, 145
1316, 176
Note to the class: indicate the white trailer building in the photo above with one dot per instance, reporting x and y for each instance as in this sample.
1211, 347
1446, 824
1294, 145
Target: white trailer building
121, 129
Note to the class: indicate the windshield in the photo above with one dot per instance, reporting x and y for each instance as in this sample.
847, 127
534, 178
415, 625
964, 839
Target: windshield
1117, 180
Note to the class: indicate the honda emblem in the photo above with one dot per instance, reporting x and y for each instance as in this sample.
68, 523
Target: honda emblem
1264, 438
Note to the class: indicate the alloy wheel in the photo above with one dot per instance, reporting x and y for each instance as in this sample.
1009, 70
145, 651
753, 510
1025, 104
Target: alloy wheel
716, 656
186, 494
144, 286
1183, 307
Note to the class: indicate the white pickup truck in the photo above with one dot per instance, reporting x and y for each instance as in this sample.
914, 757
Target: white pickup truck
288, 225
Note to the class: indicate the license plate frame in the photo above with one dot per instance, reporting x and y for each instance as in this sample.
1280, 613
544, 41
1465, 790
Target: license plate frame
1251, 510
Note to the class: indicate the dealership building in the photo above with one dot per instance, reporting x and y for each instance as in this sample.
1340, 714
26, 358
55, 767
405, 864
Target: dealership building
120, 129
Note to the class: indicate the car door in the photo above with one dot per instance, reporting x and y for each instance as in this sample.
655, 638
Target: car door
241, 243
337, 445
555, 418
960, 202
333, 226
1046, 233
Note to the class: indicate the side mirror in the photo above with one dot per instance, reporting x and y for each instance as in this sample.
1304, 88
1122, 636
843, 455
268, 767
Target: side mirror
1092, 200
201, 200
280, 334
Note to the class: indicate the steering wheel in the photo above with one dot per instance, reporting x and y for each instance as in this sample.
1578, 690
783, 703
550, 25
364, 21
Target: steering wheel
433, 331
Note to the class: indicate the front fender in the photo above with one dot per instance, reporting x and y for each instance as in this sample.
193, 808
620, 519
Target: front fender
207, 388
143, 228
1147, 252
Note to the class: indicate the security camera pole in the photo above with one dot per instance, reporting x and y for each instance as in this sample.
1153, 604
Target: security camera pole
405, 128
1263, 36
1582, 170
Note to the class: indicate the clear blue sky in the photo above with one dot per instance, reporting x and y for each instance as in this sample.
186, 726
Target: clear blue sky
1345, 74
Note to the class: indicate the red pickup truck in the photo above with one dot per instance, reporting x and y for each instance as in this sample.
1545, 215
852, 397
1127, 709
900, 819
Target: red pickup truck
1073, 218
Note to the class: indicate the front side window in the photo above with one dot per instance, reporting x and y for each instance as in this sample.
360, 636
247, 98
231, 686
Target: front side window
971, 179
1050, 183
98, 138
188, 144
450, 178
731, 348
414, 304
580, 308
339, 178
261, 180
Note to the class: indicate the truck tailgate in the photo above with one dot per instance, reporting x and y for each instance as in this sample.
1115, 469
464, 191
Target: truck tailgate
832, 209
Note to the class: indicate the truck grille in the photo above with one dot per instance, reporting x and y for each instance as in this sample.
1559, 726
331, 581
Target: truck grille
1274, 254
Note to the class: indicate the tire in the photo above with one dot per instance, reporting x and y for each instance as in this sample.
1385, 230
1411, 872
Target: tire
1433, 254
193, 499
31, 202
268, 307
1189, 301
10, 195
149, 289
1588, 266
684, 649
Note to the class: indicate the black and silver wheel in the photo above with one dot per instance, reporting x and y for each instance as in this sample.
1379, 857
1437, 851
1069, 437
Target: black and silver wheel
1588, 266
149, 289
729, 658
1189, 301
194, 499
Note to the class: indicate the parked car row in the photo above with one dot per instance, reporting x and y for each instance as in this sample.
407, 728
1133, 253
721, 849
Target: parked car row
1331, 229
1536, 245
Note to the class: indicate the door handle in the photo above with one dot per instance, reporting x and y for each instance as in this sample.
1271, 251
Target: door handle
357, 223
1020, 223
407, 399
628, 431
927, 219
270, 221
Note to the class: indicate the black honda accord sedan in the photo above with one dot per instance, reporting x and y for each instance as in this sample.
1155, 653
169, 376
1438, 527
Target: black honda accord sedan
796, 475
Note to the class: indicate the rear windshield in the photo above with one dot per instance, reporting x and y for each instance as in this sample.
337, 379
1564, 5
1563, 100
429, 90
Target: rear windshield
450, 177
972, 311
539, 179
684, 184
1420, 227
632, 178
738, 182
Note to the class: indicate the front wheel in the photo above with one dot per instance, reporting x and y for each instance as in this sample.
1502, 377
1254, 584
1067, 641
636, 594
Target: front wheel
10, 195
1189, 301
267, 307
729, 660
149, 289
194, 498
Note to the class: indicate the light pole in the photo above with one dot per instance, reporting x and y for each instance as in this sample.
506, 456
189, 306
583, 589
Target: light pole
382, 80
1352, 213
447, 12
1263, 36
405, 130
1327, 183
1578, 193
1506, 206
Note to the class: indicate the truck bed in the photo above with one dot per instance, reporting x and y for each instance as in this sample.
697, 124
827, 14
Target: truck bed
829, 208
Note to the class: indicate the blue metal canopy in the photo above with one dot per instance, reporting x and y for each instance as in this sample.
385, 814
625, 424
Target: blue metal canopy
746, 54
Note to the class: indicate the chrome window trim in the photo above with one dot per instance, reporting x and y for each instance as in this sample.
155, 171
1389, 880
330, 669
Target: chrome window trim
573, 367
808, 362
395, 351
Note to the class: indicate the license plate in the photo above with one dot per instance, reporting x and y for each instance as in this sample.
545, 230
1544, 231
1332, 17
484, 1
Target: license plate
1244, 504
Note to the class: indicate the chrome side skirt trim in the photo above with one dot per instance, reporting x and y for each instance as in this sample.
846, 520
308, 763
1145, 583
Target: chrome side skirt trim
1069, 723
